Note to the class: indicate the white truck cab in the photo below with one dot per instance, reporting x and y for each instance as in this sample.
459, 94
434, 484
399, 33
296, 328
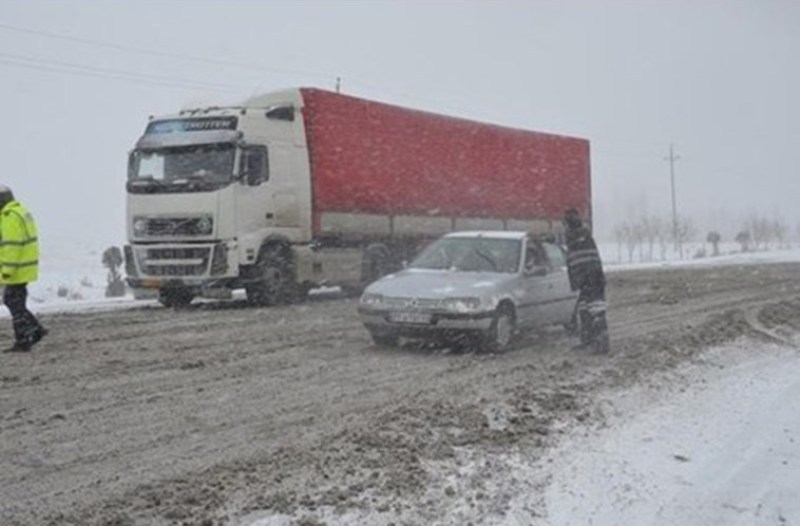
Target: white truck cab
219, 199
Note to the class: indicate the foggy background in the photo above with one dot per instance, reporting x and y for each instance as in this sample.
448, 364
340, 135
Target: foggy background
718, 79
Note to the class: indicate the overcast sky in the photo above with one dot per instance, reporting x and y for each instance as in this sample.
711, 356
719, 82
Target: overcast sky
719, 79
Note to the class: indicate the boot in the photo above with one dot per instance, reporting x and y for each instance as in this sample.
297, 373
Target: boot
601, 344
19, 346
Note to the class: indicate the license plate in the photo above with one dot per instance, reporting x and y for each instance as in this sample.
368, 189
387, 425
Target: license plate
410, 317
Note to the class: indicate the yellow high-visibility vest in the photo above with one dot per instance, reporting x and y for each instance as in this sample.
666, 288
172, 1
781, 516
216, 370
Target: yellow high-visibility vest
19, 245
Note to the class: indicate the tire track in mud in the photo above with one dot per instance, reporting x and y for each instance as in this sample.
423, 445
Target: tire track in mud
211, 414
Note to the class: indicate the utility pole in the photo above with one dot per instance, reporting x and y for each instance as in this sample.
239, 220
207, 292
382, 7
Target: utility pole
338, 84
672, 158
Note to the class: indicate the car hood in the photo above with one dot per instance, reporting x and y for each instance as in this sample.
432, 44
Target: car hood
437, 284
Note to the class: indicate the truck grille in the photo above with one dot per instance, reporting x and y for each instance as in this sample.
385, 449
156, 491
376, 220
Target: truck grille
174, 261
174, 226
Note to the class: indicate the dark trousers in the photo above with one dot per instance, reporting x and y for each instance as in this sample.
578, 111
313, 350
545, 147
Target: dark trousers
592, 313
26, 326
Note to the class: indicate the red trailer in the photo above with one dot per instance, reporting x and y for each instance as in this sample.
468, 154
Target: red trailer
373, 158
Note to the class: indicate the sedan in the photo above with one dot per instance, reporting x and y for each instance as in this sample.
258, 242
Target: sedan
484, 285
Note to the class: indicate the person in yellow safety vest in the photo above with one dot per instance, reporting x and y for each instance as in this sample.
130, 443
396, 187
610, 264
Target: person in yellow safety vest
19, 265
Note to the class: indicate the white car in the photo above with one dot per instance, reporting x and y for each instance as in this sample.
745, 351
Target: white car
487, 284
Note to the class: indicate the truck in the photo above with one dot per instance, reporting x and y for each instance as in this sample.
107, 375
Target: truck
304, 187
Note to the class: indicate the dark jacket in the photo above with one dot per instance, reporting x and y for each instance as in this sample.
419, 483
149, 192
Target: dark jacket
583, 260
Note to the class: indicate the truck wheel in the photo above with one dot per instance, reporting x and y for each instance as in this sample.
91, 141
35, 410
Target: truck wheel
301, 291
384, 339
175, 298
275, 282
375, 263
501, 332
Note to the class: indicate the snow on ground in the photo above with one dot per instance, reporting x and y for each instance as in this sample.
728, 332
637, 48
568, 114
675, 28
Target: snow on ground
722, 451
715, 442
70, 278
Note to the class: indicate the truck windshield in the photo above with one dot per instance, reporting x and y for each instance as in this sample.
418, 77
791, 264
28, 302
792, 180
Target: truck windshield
470, 254
206, 163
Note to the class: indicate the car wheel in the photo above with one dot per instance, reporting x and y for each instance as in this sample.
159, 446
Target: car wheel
384, 339
501, 332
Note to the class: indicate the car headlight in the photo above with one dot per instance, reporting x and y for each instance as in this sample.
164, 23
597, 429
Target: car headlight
139, 226
461, 304
372, 300
204, 225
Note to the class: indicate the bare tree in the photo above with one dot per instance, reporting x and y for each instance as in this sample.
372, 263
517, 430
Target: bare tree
714, 238
779, 232
651, 226
760, 230
619, 237
685, 232
743, 238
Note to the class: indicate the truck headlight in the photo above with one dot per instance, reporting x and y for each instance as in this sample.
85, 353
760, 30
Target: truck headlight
461, 304
204, 225
372, 300
139, 226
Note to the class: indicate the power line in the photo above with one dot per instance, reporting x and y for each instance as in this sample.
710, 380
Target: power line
116, 73
336, 78
157, 53
79, 73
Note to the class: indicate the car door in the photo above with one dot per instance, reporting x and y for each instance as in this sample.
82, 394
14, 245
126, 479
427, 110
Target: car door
562, 295
540, 287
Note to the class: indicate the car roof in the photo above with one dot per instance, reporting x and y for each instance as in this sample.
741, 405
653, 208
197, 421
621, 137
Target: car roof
495, 234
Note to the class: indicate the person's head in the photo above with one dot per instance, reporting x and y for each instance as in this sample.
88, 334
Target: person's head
6, 195
572, 219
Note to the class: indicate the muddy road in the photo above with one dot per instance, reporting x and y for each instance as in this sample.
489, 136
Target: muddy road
222, 413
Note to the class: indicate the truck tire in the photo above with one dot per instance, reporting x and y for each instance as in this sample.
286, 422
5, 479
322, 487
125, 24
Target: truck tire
501, 333
175, 298
274, 281
375, 263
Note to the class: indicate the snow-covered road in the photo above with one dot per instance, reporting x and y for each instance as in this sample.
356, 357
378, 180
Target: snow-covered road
723, 449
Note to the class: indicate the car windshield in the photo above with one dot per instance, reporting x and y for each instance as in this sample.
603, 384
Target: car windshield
210, 163
470, 254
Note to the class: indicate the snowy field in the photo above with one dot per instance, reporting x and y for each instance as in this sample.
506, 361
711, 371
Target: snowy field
723, 449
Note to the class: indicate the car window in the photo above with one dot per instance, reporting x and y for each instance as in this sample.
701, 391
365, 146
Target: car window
471, 255
555, 254
535, 256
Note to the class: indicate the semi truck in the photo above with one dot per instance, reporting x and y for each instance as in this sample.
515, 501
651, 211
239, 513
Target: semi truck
304, 187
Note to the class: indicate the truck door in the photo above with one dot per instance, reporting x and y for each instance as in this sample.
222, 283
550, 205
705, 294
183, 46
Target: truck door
254, 207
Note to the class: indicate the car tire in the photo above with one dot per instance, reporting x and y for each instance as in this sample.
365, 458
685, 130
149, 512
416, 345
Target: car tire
500, 336
384, 339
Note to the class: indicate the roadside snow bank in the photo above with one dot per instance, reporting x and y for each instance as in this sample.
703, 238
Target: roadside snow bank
722, 451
